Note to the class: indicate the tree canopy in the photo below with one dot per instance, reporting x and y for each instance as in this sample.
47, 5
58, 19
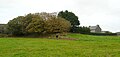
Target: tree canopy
15, 26
70, 16
38, 23
57, 25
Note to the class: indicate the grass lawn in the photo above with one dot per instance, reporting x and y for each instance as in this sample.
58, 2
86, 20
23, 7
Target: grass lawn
85, 46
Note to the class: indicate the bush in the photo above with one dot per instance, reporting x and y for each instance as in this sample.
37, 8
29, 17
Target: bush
82, 30
103, 34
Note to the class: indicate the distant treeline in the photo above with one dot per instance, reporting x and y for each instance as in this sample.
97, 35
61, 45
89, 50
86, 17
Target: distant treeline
103, 34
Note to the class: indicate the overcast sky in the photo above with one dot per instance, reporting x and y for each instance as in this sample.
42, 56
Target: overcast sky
106, 13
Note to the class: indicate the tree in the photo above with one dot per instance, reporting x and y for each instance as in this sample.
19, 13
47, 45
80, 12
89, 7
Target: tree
15, 26
47, 23
54, 24
70, 17
83, 30
37, 23
27, 19
57, 25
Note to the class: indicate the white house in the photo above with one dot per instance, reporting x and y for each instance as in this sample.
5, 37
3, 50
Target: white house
95, 29
118, 33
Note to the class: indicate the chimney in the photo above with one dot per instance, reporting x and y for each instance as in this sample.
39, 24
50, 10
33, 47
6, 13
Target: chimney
97, 25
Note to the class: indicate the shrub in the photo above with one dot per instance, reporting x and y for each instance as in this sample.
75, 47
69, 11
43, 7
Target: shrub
103, 34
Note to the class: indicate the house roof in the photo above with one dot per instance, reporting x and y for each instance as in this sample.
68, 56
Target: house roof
93, 27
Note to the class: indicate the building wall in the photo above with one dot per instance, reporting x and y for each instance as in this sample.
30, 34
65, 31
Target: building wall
92, 31
98, 30
118, 33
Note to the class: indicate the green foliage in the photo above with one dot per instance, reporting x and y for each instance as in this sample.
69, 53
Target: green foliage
37, 23
15, 26
57, 25
82, 30
26, 21
70, 17
104, 34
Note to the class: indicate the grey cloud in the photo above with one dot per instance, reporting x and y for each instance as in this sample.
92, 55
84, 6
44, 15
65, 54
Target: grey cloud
106, 13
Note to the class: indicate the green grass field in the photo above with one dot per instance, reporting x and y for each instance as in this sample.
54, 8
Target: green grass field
85, 46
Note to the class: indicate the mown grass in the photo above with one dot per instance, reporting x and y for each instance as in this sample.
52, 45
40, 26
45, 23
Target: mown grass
85, 46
